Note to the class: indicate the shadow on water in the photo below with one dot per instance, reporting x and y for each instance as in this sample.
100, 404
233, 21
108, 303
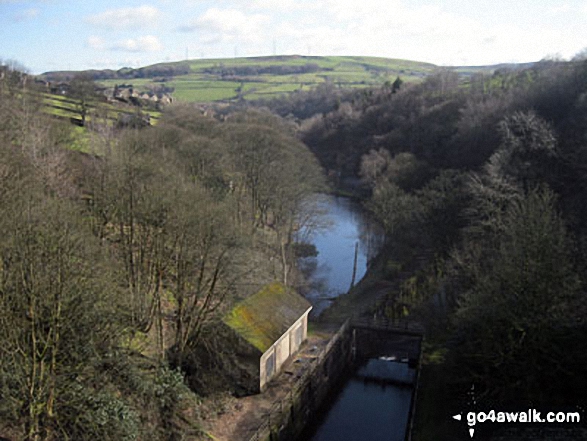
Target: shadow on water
372, 403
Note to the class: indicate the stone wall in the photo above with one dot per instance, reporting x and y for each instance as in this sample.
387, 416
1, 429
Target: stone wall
289, 417
292, 417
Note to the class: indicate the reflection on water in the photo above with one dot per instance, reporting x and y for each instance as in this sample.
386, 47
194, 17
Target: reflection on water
370, 410
342, 223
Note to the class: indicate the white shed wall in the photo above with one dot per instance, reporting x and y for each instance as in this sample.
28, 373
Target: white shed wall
282, 349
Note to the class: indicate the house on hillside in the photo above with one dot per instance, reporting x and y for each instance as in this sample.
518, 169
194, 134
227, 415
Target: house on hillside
60, 88
273, 323
126, 93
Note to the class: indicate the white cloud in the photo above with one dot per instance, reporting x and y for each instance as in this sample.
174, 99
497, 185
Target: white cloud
282, 5
399, 29
102, 63
147, 43
438, 32
126, 18
560, 9
371, 27
391, 28
229, 26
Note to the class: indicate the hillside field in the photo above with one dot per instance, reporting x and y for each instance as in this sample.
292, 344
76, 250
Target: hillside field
261, 78
210, 80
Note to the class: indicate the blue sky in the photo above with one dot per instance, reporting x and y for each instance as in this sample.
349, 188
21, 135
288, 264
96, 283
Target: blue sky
47, 35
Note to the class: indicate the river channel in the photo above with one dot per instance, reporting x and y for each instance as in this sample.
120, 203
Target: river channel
341, 224
374, 401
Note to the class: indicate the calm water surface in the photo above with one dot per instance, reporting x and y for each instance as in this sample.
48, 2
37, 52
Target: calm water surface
342, 224
366, 410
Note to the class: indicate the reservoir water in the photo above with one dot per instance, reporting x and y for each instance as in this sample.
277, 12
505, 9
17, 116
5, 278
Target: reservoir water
343, 223
370, 406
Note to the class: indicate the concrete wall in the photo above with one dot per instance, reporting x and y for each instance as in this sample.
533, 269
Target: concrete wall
294, 418
288, 421
262, 365
282, 349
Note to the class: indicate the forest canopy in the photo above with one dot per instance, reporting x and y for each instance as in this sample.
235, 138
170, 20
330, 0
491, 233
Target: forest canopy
150, 234
480, 186
116, 261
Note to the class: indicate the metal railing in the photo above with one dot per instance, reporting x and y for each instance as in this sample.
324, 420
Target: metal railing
386, 324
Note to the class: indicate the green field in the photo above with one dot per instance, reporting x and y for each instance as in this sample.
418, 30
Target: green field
214, 80
64, 107
207, 83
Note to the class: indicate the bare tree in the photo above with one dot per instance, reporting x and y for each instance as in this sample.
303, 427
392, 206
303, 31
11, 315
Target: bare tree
201, 243
83, 90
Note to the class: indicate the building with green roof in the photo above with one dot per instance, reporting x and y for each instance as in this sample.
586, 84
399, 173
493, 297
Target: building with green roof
274, 323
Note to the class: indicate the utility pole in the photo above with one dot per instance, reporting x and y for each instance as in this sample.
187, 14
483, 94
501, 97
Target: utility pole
355, 265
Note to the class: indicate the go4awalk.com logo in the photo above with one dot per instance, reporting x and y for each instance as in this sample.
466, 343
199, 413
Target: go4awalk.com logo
528, 416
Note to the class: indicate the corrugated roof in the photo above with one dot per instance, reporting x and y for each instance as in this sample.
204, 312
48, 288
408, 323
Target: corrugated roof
265, 316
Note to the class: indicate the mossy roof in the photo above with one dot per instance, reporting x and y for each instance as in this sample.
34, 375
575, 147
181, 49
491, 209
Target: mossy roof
265, 316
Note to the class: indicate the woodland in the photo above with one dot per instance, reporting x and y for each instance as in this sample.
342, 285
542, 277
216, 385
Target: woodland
116, 262
481, 188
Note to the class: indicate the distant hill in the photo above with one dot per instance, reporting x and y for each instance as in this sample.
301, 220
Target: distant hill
265, 77
490, 69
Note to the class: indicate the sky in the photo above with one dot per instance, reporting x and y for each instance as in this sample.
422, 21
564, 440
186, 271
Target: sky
44, 35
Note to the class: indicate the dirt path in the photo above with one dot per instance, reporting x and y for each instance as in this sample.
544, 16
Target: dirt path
378, 283
243, 416
358, 302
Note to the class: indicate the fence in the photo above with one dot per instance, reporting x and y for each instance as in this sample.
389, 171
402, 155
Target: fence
402, 326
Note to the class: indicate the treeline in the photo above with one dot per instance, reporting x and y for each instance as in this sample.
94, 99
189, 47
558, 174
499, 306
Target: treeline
302, 105
231, 71
481, 188
155, 71
113, 265
441, 121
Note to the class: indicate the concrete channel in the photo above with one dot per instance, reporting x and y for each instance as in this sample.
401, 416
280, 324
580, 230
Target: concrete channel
376, 354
